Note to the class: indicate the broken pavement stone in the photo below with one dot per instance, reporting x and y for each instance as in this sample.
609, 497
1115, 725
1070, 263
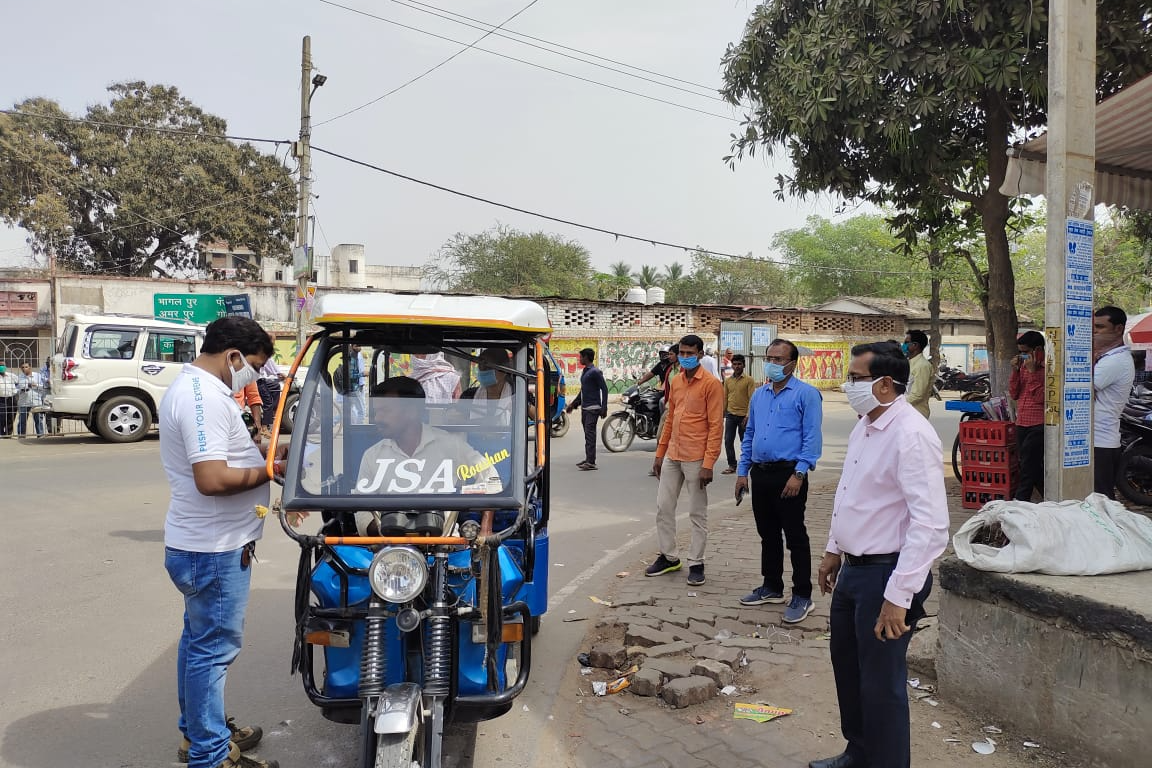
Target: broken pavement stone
670, 668
646, 682
637, 634
746, 642
686, 635
800, 651
717, 670
640, 600
729, 656
608, 656
668, 649
695, 614
687, 691
628, 620
769, 658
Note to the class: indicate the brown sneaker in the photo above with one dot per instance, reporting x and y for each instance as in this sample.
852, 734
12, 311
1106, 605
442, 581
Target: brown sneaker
236, 759
245, 737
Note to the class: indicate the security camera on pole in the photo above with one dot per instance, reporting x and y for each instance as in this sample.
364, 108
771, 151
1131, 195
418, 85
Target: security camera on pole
302, 151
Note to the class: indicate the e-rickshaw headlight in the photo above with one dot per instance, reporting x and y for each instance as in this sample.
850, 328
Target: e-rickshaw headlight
398, 574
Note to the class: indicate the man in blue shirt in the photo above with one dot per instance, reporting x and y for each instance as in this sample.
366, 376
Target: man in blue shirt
593, 404
781, 445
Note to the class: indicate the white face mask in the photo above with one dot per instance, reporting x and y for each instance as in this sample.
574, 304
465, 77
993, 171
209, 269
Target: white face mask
243, 377
861, 398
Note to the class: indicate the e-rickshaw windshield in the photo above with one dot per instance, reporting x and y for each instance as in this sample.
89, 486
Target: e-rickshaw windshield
404, 426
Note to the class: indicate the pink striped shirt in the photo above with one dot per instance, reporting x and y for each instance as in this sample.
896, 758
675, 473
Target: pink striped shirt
891, 497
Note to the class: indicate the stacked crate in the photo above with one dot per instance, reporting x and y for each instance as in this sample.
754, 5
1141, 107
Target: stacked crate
988, 461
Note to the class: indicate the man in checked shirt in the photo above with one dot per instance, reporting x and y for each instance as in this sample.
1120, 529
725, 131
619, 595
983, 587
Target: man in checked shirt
889, 523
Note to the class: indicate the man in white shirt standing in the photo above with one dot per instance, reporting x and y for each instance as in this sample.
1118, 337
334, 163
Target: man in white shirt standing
1113, 372
889, 523
217, 478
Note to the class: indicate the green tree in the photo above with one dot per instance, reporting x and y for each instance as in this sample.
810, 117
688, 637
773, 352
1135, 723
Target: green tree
504, 261
723, 280
116, 199
647, 277
855, 257
913, 105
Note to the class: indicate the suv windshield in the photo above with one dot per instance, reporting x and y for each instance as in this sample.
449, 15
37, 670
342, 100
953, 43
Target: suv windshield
380, 426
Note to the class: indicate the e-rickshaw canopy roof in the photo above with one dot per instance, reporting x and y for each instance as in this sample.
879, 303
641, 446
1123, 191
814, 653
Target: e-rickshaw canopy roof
431, 309
1123, 152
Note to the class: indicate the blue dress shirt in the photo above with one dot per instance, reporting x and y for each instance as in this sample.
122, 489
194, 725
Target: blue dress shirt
783, 426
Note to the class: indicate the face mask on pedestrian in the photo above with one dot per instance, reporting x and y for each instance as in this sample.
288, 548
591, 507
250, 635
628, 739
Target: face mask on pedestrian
486, 377
688, 362
861, 397
904, 348
775, 372
243, 376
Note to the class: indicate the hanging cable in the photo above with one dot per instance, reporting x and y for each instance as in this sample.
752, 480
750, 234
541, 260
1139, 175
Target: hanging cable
503, 56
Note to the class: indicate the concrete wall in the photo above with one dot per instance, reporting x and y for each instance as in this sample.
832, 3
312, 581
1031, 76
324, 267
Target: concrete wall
1063, 661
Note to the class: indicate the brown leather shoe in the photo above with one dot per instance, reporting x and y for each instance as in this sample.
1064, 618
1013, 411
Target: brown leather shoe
245, 737
236, 759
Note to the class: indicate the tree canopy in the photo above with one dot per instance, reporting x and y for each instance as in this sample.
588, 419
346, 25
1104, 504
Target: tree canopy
913, 104
108, 194
504, 261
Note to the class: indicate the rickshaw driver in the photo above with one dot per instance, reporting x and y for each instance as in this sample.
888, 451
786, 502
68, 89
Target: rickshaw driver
414, 457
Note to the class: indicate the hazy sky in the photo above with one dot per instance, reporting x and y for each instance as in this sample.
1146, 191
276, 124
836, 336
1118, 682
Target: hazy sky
481, 124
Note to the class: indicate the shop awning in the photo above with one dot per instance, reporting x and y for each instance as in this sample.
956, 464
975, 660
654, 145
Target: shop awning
1123, 152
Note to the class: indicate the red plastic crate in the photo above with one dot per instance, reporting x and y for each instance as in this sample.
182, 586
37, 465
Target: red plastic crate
983, 432
980, 485
989, 456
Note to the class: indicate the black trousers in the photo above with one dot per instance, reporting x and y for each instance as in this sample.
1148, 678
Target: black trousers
1030, 444
871, 675
7, 415
776, 516
732, 425
589, 419
1104, 462
270, 395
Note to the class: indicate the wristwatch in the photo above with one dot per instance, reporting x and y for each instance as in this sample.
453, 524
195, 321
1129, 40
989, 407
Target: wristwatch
800, 475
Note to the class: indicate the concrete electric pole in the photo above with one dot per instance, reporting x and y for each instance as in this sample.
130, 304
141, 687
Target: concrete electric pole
302, 253
1068, 297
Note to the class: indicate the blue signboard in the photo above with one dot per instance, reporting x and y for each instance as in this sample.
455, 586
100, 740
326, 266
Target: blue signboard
239, 305
1077, 401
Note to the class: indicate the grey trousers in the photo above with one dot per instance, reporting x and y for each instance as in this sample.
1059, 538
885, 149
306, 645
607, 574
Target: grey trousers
677, 476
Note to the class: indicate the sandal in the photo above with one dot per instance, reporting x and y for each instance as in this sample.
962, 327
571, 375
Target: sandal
729, 471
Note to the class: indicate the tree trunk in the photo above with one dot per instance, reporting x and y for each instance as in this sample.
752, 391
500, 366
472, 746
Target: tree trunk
1000, 313
935, 262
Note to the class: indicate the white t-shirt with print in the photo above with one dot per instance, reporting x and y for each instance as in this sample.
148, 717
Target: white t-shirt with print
199, 421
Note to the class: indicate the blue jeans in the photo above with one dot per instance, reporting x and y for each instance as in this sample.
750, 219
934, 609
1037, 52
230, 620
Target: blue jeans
22, 422
215, 590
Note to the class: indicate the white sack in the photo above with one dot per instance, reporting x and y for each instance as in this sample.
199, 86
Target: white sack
1067, 538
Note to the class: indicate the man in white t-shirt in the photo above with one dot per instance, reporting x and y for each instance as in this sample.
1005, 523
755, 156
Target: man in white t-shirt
414, 458
217, 478
1112, 375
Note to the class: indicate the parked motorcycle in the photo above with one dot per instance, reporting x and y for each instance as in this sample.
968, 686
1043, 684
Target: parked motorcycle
959, 381
1134, 472
640, 417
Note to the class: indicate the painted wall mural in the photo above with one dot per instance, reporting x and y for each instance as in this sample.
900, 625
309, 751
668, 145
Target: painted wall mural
567, 354
626, 360
827, 366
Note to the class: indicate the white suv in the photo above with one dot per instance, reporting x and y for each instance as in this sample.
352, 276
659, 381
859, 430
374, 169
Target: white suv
112, 370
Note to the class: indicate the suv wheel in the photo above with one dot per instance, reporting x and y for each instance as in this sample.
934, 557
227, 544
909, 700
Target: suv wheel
123, 419
288, 417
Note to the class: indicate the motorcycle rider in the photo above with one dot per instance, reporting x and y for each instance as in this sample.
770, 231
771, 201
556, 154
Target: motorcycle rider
666, 369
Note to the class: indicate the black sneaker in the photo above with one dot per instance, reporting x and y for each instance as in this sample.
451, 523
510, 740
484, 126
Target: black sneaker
695, 575
662, 565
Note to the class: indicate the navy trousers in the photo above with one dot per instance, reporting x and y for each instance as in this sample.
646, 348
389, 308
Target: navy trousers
871, 675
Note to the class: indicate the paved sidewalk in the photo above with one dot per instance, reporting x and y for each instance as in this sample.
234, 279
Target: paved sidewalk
774, 663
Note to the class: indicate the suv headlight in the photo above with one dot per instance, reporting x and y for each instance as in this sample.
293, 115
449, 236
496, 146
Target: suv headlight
398, 574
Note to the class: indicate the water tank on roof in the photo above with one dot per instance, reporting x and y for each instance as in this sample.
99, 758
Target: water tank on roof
636, 295
655, 295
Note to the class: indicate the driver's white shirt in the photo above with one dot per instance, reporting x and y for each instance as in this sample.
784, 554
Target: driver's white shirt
436, 466
199, 421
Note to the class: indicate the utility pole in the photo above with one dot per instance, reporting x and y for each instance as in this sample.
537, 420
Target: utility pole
1071, 174
302, 256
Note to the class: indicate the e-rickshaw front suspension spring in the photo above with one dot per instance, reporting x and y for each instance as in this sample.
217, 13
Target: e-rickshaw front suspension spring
438, 651
374, 659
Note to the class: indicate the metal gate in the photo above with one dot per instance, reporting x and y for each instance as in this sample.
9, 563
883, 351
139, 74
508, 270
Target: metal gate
35, 350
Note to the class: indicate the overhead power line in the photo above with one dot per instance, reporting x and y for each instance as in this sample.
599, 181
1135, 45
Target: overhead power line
412, 3
152, 128
430, 70
467, 21
473, 46
591, 227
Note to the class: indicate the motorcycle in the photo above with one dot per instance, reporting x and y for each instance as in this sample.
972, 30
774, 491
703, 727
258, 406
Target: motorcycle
418, 596
948, 378
640, 418
1134, 471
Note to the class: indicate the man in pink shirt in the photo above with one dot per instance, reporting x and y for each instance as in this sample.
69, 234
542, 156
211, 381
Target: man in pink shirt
889, 523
